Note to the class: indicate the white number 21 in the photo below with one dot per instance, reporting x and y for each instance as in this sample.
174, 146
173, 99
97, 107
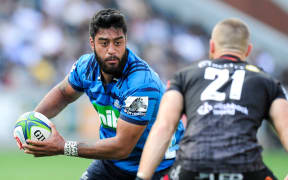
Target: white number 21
220, 77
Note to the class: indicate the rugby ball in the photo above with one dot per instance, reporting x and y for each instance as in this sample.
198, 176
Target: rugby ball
33, 126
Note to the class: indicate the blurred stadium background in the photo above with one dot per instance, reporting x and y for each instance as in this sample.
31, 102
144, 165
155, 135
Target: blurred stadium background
40, 40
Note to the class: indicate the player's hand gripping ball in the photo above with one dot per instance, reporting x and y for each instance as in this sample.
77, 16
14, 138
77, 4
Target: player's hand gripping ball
33, 126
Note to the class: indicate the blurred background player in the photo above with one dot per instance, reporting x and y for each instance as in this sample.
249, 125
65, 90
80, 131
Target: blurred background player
126, 93
225, 100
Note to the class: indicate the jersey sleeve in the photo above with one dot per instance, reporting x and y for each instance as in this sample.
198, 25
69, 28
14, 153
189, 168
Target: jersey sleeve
175, 83
277, 91
140, 105
76, 74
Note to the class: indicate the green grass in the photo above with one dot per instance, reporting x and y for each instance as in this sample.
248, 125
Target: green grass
15, 165
277, 161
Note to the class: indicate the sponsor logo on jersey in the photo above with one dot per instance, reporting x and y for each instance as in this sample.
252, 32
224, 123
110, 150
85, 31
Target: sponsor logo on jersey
253, 68
204, 63
136, 105
222, 176
207, 63
204, 109
221, 109
108, 115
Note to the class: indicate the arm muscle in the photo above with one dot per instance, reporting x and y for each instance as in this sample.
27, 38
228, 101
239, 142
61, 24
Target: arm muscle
279, 116
57, 99
159, 138
117, 147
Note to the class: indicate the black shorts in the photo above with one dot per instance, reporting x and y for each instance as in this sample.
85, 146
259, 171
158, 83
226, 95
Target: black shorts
103, 170
178, 173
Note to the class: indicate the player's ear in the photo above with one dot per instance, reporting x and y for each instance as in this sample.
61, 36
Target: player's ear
211, 49
249, 49
92, 45
212, 46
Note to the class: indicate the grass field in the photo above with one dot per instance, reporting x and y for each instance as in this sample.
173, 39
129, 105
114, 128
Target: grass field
277, 161
20, 166
15, 165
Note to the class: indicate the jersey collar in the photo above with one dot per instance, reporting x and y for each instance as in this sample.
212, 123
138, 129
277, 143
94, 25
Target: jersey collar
231, 58
114, 78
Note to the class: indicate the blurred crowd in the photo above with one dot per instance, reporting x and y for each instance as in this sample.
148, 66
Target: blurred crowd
41, 39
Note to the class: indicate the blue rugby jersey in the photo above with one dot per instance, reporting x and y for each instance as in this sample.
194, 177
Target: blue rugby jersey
134, 97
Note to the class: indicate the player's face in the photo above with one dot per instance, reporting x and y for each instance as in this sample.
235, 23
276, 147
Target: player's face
109, 46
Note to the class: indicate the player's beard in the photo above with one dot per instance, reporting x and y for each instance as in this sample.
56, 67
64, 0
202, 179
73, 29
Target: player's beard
113, 70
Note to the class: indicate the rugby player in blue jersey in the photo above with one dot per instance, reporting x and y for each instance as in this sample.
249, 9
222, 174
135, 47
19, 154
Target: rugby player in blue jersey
126, 93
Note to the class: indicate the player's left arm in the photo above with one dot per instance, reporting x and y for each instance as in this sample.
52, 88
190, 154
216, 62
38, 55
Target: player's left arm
169, 114
279, 116
117, 147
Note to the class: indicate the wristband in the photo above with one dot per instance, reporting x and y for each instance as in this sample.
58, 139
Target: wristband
138, 178
71, 148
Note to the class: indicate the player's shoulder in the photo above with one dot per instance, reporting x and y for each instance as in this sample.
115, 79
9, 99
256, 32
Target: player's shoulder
139, 75
194, 68
257, 72
82, 64
257, 77
85, 59
139, 72
144, 79
85, 66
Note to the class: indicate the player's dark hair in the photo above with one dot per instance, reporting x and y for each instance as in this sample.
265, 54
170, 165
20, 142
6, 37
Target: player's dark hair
107, 18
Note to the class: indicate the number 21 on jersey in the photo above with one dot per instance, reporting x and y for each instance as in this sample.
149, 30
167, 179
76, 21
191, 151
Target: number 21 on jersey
220, 77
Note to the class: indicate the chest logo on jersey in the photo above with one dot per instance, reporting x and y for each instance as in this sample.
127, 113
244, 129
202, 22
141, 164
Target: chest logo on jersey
221, 109
136, 105
108, 115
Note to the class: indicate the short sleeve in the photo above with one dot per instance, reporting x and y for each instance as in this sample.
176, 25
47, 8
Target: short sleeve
77, 73
280, 91
175, 83
140, 105
276, 90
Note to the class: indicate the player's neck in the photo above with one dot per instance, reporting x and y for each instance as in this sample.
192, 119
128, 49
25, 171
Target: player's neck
106, 78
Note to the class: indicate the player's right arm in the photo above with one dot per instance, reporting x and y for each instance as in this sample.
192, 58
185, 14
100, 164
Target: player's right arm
169, 114
279, 115
57, 99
